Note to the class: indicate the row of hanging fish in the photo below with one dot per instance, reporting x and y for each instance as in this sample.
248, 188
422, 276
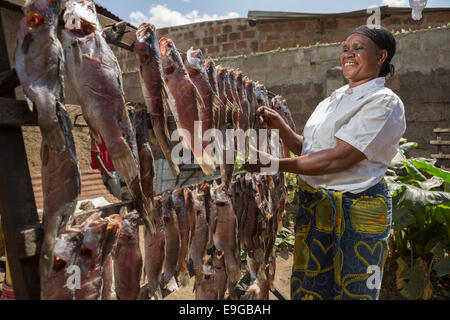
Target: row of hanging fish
196, 90
207, 227
94, 74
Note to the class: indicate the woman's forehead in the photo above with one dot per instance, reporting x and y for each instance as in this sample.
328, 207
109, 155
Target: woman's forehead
359, 38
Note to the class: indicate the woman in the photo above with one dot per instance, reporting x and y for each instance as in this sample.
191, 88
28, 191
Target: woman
344, 220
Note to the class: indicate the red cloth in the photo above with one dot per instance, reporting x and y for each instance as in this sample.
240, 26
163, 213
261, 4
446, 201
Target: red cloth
104, 155
7, 292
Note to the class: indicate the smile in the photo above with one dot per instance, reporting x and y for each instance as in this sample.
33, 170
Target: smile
350, 64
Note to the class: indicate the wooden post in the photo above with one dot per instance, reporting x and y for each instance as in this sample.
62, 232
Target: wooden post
19, 218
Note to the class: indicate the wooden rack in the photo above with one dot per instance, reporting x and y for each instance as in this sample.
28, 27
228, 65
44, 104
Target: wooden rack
20, 222
441, 143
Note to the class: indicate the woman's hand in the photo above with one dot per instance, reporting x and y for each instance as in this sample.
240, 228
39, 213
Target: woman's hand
269, 118
264, 160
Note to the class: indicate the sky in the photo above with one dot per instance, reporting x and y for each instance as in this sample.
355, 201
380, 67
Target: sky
167, 13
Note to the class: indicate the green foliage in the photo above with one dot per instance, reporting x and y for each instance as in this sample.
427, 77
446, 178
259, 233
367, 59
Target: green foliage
285, 239
239, 162
420, 219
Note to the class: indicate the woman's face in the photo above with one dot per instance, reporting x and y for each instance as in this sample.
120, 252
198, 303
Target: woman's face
361, 60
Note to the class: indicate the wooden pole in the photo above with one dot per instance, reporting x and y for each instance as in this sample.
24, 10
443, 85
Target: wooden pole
20, 223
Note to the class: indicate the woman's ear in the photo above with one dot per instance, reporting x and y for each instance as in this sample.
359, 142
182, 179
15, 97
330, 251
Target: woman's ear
382, 56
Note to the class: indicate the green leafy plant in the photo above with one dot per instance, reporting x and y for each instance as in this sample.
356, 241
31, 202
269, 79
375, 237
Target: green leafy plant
285, 239
421, 221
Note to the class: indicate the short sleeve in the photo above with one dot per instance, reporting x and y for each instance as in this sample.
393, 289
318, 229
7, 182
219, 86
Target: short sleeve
376, 128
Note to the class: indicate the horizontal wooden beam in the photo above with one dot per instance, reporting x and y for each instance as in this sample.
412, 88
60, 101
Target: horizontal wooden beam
8, 82
16, 113
439, 130
440, 156
106, 210
440, 142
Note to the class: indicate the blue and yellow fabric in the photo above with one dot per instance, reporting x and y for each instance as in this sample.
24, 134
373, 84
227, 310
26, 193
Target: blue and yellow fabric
341, 242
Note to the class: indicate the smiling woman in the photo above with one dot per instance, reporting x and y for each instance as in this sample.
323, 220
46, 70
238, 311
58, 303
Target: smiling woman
344, 220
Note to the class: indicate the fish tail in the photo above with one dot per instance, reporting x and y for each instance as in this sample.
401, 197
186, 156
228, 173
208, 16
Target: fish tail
152, 137
172, 285
53, 137
183, 275
166, 101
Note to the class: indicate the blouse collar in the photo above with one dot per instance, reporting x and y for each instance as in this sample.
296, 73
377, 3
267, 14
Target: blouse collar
359, 91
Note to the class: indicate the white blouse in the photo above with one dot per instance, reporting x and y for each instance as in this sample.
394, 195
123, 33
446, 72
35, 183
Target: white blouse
369, 117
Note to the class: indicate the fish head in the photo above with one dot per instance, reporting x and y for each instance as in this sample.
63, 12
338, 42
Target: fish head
167, 207
220, 74
277, 105
195, 60
199, 202
222, 199
178, 197
232, 75
130, 225
80, 17
210, 65
93, 235
170, 57
39, 12
261, 93
156, 209
146, 40
65, 245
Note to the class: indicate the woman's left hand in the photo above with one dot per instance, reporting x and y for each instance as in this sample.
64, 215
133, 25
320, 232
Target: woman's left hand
263, 160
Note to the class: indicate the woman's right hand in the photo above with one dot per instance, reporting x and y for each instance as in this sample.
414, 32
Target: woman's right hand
269, 118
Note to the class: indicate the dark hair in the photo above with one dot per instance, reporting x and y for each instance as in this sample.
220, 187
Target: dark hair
384, 40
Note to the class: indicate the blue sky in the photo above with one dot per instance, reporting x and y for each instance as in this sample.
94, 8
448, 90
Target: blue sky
165, 13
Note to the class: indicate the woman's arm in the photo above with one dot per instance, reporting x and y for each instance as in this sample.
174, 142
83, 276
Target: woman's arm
340, 158
272, 120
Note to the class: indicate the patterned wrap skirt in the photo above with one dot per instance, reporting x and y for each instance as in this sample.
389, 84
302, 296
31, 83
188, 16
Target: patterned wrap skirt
341, 243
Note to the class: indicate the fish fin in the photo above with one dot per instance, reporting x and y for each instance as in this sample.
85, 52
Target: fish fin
172, 285
96, 137
216, 103
166, 105
152, 137
198, 99
207, 164
30, 103
183, 277
126, 166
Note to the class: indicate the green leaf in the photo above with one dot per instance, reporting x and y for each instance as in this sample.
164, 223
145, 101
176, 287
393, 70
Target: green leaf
442, 215
401, 218
431, 183
424, 165
416, 280
395, 187
413, 196
442, 267
405, 147
413, 171
397, 161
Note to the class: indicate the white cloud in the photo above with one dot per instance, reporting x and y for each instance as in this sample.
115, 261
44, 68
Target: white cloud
162, 17
186, 0
395, 3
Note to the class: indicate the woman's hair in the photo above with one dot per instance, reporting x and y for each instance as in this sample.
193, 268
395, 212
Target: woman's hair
384, 40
